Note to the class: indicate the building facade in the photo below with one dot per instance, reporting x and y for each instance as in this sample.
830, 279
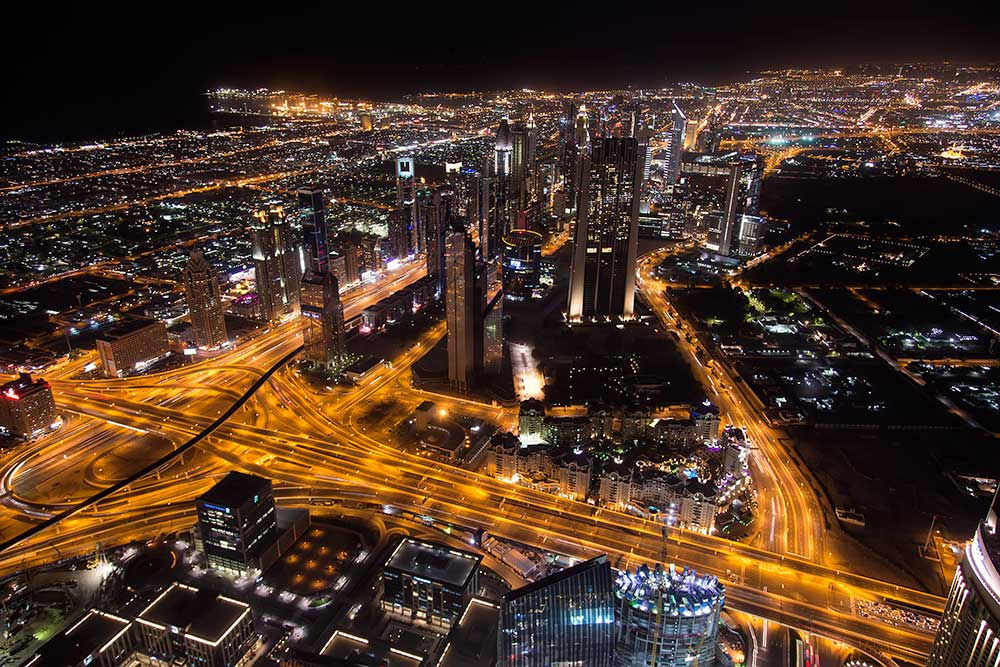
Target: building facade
429, 582
602, 274
27, 408
564, 619
276, 260
667, 617
204, 301
237, 521
132, 345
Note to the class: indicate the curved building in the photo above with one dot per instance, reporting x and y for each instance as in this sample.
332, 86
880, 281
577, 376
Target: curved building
969, 634
522, 264
667, 617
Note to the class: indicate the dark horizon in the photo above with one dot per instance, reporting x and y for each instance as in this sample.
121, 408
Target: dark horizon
92, 73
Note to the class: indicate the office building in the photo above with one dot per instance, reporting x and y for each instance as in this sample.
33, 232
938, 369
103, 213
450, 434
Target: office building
204, 302
366, 122
98, 639
319, 290
276, 263
519, 167
409, 237
489, 321
429, 582
969, 633
460, 309
675, 146
440, 218
602, 275
667, 617
131, 346
504, 204
189, 626
522, 264
312, 217
27, 408
742, 204
237, 522
567, 160
563, 619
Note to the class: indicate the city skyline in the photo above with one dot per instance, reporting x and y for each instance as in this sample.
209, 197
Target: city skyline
699, 374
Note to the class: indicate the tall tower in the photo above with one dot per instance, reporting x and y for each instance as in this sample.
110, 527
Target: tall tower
312, 213
439, 215
319, 291
503, 192
460, 309
518, 168
323, 315
406, 201
567, 158
742, 200
532, 137
675, 145
276, 263
204, 301
970, 626
602, 276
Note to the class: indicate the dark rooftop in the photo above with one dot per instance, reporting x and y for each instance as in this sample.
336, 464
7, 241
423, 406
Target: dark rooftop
434, 561
598, 562
125, 327
88, 635
203, 614
234, 489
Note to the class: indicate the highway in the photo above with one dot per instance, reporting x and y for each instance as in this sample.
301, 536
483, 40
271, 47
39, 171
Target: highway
302, 437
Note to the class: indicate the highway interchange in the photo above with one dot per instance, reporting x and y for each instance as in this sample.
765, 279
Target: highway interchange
313, 442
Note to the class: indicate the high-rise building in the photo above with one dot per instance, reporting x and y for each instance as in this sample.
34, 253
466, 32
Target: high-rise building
667, 618
738, 222
27, 408
319, 290
532, 140
504, 202
132, 345
439, 215
675, 146
564, 619
276, 263
602, 276
204, 302
969, 633
489, 319
460, 309
518, 167
406, 201
312, 214
366, 122
323, 313
237, 521
568, 159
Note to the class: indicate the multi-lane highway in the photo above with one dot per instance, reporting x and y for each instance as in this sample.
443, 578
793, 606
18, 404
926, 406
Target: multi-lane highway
311, 440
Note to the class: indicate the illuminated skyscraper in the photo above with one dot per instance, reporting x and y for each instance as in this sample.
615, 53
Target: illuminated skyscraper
237, 521
439, 219
564, 619
742, 202
568, 158
532, 140
27, 408
276, 263
406, 201
204, 301
504, 203
324, 320
969, 634
518, 168
460, 309
319, 291
602, 276
667, 618
312, 214
675, 145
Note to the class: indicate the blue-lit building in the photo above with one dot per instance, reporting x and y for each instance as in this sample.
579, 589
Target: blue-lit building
237, 522
564, 619
667, 617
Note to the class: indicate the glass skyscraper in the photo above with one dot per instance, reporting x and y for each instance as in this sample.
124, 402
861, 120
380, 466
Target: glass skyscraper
564, 619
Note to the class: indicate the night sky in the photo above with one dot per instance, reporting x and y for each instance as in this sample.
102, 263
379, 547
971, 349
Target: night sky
91, 71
